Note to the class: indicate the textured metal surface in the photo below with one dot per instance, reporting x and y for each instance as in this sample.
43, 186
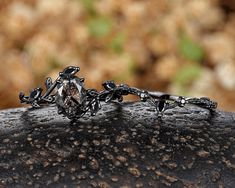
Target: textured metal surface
123, 145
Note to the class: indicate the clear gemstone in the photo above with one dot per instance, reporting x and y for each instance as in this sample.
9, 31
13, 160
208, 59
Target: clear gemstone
70, 95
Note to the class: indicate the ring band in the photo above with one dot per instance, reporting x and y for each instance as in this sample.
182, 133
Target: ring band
73, 100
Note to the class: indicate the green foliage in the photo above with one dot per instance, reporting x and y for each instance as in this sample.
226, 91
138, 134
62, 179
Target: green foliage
99, 26
89, 6
190, 49
117, 43
186, 75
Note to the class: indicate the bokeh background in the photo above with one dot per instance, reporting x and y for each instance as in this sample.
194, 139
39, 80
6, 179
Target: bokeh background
185, 47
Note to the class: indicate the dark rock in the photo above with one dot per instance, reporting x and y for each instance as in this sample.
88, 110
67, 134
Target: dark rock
123, 145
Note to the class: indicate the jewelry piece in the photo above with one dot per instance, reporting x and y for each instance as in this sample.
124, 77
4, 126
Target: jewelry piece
74, 100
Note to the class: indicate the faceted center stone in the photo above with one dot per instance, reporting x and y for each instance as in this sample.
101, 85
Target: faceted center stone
70, 96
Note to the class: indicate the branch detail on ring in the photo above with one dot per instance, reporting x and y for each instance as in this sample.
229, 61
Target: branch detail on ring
74, 100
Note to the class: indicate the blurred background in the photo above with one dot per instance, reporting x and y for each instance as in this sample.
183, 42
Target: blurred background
185, 47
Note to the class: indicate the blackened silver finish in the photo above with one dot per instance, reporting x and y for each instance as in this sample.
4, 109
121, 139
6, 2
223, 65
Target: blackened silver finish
73, 100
